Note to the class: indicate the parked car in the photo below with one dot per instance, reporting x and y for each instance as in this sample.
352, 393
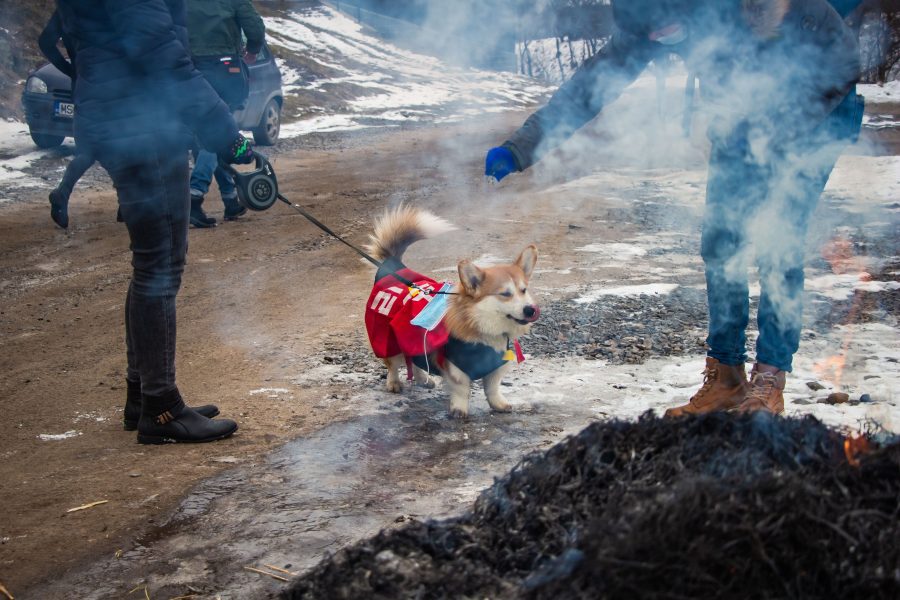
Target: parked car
49, 108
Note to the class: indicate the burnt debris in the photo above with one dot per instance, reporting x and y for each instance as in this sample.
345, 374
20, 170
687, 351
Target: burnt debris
708, 507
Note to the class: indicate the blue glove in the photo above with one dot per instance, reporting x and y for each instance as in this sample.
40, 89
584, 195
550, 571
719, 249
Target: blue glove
499, 163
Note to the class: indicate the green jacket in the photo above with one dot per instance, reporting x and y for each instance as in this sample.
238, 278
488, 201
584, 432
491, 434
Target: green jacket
214, 27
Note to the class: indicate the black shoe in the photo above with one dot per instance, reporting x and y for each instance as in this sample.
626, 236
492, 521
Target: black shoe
59, 208
233, 210
199, 218
133, 406
166, 420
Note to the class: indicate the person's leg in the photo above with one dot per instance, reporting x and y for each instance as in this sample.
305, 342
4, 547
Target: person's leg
733, 187
779, 233
233, 208
153, 197
74, 171
59, 197
205, 163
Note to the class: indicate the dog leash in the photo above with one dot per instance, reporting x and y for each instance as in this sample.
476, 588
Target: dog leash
413, 288
257, 190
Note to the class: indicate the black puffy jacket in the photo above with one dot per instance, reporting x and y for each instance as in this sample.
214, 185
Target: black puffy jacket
137, 87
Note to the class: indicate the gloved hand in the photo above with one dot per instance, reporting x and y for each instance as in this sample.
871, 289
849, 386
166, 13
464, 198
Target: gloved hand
499, 163
240, 152
249, 57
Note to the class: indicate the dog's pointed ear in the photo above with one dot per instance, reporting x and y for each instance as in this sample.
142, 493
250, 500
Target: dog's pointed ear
527, 260
470, 276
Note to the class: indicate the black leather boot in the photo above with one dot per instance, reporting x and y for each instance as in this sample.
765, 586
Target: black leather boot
167, 420
59, 208
133, 406
233, 209
199, 218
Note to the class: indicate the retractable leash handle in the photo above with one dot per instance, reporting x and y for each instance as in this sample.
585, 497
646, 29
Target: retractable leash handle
257, 189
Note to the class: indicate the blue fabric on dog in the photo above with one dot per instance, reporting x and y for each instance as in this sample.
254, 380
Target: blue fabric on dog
432, 315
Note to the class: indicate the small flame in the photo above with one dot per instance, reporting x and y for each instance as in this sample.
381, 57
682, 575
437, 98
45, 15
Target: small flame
832, 368
854, 447
840, 255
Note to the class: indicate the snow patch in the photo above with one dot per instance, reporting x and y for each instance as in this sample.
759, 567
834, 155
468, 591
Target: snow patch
880, 94
648, 289
615, 251
270, 392
52, 437
842, 286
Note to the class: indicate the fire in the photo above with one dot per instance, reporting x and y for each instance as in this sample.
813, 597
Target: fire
854, 447
840, 255
832, 367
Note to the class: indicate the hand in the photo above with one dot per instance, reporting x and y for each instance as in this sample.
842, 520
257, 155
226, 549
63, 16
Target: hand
249, 58
499, 163
240, 152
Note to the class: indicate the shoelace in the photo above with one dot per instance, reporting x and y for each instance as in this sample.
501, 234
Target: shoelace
761, 387
709, 377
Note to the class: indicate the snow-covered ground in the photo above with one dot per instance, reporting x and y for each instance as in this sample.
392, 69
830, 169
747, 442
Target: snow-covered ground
859, 359
380, 83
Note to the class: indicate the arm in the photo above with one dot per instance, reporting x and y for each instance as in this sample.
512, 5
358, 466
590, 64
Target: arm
599, 81
48, 43
147, 33
251, 24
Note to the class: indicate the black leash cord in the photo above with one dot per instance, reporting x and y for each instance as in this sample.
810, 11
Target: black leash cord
372, 260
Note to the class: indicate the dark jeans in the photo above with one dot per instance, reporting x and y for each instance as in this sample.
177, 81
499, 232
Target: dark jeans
206, 164
767, 204
74, 170
154, 201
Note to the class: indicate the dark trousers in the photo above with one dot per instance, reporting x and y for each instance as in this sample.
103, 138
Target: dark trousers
154, 201
74, 170
760, 205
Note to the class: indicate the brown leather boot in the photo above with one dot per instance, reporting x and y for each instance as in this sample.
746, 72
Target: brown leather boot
723, 388
766, 390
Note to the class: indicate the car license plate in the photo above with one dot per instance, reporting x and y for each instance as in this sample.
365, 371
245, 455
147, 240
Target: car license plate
65, 110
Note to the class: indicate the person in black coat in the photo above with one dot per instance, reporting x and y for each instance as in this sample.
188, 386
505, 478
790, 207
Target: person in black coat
48, 42
140, 101
778, 79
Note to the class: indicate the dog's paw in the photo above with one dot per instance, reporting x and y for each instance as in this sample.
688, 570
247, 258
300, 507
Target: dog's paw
428, 383
499, 404
459, 414
394, 387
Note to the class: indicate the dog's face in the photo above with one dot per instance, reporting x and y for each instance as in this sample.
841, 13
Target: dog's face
497, 298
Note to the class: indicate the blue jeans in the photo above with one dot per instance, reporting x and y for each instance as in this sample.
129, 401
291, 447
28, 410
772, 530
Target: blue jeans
205, 167
154, 200
766, 204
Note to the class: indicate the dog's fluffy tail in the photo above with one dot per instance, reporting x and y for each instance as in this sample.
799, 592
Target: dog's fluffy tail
398, 228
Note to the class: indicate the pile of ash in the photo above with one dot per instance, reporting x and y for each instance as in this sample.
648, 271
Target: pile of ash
710, 507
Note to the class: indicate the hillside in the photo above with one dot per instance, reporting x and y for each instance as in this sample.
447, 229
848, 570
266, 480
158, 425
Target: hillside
22, 23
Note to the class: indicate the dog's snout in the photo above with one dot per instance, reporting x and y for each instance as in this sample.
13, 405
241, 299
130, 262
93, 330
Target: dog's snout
531, 312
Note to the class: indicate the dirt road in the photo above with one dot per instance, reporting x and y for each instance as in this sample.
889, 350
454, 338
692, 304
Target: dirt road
261, 297
270, 319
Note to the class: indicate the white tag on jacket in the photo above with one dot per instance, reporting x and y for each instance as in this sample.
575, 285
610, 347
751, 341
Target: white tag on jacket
433, 313
670, 35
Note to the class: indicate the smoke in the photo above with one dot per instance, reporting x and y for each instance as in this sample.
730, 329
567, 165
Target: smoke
770, 91
762, 104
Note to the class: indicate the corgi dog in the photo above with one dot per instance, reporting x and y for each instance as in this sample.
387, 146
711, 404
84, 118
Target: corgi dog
486, 312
